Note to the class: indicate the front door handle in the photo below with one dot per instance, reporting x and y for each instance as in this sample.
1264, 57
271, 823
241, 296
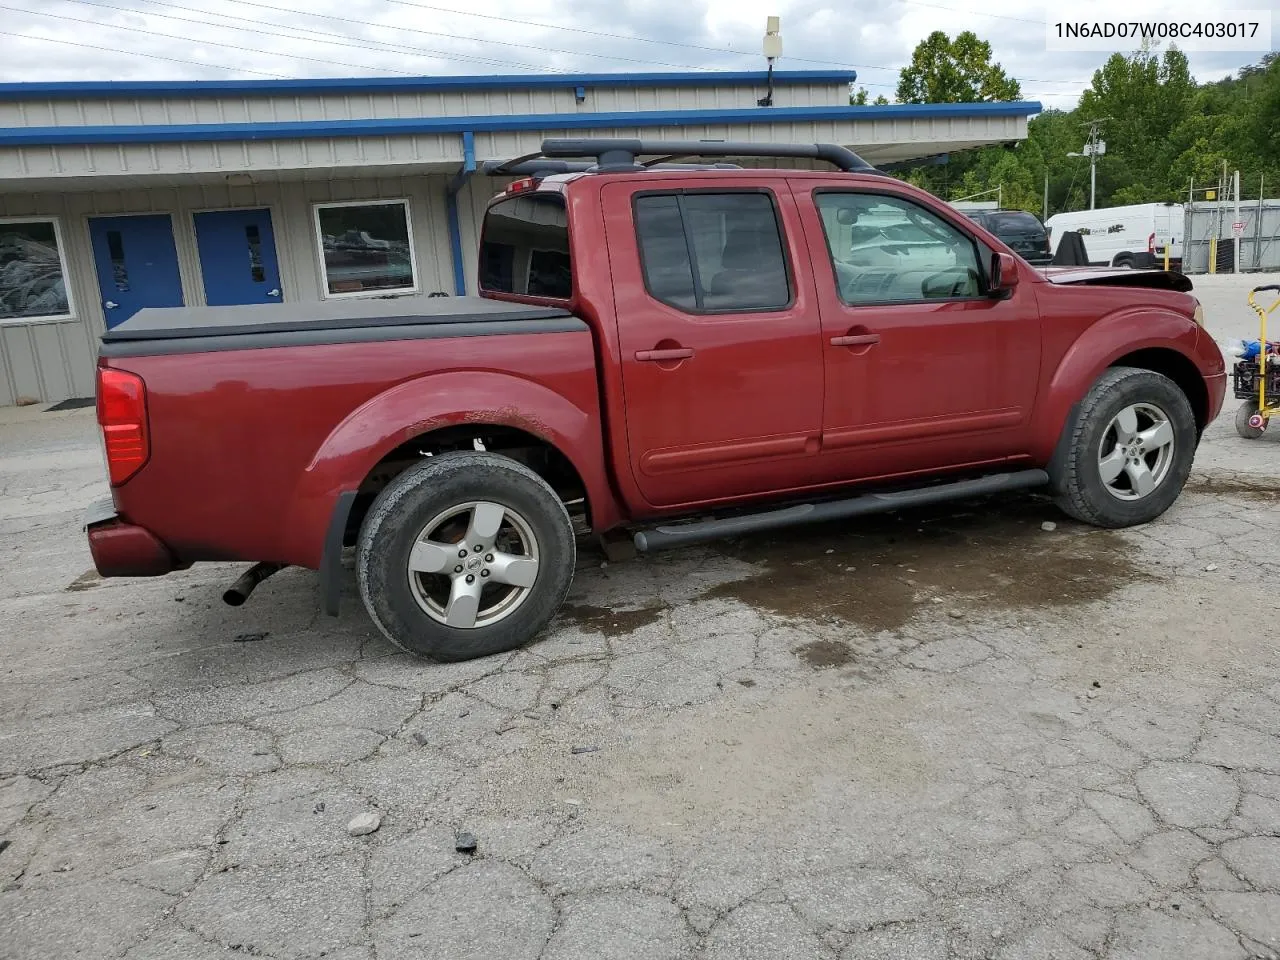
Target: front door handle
856, 340
672, 353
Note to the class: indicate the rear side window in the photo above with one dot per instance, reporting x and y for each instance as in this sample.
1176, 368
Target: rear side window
1001, 223
524, 247
712, 252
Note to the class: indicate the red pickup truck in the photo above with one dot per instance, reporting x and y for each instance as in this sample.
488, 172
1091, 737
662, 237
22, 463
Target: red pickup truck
671, 351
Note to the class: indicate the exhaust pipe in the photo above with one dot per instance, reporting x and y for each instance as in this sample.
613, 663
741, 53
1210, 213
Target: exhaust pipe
248, 581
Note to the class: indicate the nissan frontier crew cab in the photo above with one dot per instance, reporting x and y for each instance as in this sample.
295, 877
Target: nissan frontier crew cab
674, 351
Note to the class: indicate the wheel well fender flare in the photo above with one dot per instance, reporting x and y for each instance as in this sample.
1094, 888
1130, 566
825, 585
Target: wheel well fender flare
417, 407
1157, 340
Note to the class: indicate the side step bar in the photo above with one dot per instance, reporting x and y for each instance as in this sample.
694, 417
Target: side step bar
679, 535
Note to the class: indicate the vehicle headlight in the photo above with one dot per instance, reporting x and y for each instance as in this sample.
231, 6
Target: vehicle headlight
1198, 316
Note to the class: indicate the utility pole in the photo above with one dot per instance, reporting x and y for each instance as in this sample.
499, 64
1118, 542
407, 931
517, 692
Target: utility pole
1093, 149
1045, 208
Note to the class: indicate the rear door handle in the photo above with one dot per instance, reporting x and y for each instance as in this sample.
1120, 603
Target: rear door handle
856, 340
674, 353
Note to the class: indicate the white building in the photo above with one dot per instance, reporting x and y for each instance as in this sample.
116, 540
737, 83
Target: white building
119, 195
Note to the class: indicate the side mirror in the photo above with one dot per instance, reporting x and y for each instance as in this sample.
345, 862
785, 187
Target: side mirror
1004, 275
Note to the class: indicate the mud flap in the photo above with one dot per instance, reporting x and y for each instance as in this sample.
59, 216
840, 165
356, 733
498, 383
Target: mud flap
331, 560
1057, 468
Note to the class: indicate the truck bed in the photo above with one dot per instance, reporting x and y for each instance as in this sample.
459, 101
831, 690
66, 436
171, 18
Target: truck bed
261, 416
173, 330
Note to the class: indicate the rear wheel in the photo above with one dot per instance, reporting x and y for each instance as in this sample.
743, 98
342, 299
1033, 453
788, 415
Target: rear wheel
465, 555
1250, 424
1130, 449
1123, 260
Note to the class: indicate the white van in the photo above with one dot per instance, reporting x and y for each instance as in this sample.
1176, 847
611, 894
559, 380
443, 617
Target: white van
1133, 236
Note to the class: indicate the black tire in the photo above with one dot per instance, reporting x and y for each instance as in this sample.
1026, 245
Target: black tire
1123, 260
1243, 414
1083, 493
423, 492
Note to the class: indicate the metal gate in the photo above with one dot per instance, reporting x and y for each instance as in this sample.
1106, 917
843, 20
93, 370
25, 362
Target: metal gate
1209, 226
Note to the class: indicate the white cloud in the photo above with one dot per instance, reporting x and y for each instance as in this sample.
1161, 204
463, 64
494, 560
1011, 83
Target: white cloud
206, 39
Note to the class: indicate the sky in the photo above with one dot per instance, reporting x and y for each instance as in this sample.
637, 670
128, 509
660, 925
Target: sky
222, 39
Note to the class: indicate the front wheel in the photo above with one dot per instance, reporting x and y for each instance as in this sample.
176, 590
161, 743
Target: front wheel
1250, 423
1129, 450
465, 555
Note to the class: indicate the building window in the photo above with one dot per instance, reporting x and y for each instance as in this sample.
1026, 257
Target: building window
888, 250
524, 247
33, 272
713, 252
366, 248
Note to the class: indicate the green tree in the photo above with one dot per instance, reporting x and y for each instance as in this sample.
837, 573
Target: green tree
859, 99
1164, 130
943, 70
1140, 100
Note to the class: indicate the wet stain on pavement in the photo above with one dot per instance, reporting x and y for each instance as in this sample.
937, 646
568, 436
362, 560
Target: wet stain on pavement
611, 623
825, 653
86, 581
878, 572
1267, 492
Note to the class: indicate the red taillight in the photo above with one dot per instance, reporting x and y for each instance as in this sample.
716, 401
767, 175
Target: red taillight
122, 412
1151, 244
520, 186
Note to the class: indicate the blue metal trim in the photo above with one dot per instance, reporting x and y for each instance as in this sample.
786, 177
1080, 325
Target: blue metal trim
260, 88
468, 161
310, 129
455, 243
451, 211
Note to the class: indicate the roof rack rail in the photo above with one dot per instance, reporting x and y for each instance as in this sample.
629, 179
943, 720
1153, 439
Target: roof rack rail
542, 167
617, 154
611, 153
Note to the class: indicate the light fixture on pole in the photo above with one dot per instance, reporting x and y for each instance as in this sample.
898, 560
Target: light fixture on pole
1093, 149
772, 51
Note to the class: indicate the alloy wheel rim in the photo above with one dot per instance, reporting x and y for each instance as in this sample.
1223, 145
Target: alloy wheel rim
1136, 451
473, 564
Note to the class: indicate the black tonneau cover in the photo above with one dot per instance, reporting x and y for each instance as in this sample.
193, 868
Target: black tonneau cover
167, 323
176, 330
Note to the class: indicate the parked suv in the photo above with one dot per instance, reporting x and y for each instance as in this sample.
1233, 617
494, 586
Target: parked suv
1022, 232
673, 353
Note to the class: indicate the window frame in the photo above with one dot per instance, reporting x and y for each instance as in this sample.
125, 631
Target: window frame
535, 298
404, 202
679, 192
58, 238
982, 255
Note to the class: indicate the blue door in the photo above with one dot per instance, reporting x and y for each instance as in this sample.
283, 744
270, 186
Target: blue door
238, 257
137, 264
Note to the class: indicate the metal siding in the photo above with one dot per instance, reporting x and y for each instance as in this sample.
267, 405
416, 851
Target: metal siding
22, 365
52, 361
52, 367
67, 90
226, 157
79, 354
401, 104
8, 392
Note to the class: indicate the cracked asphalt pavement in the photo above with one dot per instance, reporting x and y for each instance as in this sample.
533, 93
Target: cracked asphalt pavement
947, 733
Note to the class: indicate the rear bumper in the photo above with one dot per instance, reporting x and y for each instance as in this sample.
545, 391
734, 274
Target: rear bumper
122, 549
